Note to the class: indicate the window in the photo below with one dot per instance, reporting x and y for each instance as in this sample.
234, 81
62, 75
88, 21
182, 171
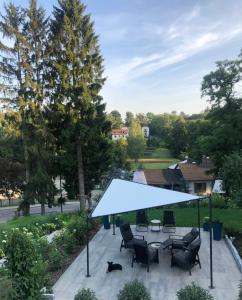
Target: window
200, 187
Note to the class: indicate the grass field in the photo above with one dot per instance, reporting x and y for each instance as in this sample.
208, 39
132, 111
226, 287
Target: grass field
159, 158
187, 217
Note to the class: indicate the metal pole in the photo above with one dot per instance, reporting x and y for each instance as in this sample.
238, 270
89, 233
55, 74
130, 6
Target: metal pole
87, 240
198, 217
113, 224
211, 243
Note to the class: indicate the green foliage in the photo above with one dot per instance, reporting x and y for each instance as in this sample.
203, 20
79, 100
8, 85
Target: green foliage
51, 254
134, 290
193, 292
219, 201
119, 154
129, 118
116, 119
76, 110
225, 114
231, 173
85, 294
11, 178
136, 141
6, 289
77, 228
26, 270
177, 139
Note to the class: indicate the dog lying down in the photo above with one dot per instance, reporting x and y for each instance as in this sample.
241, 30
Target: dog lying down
112, 267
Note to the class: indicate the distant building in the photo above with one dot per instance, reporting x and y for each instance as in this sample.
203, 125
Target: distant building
192, 176
146, 131
120, 133
124, 133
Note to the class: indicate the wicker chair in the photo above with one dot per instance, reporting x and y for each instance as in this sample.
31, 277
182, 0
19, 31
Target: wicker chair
187, 257
145, 254
128, 238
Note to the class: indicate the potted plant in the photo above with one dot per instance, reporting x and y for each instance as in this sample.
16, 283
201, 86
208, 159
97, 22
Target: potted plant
217, 230
118, 221
206, 224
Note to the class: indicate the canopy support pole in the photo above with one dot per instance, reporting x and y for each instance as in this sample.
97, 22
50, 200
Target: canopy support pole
211, 243
113, 224
198, 217
87, 241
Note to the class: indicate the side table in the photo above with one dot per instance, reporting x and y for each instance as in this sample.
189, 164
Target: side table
155, 225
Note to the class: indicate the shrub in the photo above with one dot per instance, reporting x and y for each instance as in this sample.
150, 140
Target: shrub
66, 242
77, 227
6, 290
240, 291
51, 254
193, 292
134, 290
219, 201
85, 294
25, 268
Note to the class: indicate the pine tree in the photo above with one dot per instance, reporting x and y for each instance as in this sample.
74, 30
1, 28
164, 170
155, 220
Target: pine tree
76, 78
23, 67
40, 140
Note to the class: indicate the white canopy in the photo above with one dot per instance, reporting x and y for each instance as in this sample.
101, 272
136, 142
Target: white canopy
124, 196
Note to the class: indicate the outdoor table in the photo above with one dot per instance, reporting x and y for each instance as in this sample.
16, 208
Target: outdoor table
155, 225
156, 245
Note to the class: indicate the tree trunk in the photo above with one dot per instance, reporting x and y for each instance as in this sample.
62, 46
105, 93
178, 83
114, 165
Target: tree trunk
26, 210
81, 184
43, 209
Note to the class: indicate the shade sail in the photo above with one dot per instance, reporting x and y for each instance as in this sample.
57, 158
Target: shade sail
123, 196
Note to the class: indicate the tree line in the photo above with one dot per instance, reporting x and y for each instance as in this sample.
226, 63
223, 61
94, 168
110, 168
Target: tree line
215, 132
53, 119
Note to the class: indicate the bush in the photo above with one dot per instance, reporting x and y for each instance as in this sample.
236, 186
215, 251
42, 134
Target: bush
85, 294
240, 291
66, 242
193, 292
77, 228
25, 268
219, 201
51, 254
6, 290
134, 290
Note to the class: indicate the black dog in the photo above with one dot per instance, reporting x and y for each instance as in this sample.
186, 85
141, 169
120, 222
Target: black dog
112, 267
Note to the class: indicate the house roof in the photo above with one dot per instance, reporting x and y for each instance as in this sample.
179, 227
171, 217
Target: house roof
193, 172
163, 177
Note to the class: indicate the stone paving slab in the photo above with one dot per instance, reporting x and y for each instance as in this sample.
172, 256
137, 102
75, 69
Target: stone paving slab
162, 280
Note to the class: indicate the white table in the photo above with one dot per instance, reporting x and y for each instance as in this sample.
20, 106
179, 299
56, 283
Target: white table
155, 225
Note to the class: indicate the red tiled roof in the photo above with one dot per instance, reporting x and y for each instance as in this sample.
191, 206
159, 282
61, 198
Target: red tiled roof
193, 172
162, 177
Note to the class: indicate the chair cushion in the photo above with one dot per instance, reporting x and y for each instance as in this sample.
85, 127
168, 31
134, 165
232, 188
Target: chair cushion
152, 253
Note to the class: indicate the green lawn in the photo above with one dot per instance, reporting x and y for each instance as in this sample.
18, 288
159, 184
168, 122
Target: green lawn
187, 217
159, 153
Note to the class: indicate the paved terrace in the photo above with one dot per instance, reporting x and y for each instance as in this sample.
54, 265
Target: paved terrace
162, 280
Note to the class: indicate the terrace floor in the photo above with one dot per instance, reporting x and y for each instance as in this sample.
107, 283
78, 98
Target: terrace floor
162, 280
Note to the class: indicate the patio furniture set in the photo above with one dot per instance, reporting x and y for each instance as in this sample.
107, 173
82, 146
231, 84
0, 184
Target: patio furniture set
184, 249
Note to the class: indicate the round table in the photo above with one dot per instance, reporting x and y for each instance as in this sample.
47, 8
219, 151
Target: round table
155, 225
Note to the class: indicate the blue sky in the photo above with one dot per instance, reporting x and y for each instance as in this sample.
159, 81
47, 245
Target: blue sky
157, 52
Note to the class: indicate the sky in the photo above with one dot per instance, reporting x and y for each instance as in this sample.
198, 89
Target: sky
157, 52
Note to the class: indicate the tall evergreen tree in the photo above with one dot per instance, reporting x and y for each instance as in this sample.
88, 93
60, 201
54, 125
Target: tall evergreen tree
76, 78
40, 141
22, 67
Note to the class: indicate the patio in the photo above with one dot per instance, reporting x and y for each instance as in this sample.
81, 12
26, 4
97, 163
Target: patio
162, 280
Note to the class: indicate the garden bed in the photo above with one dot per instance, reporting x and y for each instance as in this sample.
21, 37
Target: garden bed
55, 275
